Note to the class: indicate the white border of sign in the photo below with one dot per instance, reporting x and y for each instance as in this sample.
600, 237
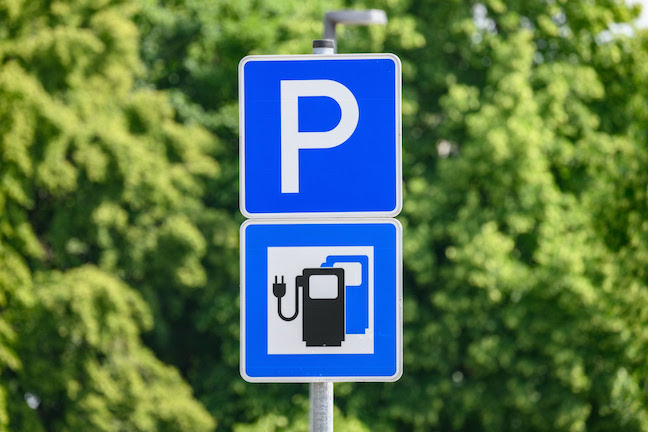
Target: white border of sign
398, 141
399, 301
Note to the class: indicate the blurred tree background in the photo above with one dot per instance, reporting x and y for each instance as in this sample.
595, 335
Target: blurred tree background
526, 215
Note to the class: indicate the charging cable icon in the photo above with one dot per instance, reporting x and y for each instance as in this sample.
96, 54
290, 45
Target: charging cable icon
279, 290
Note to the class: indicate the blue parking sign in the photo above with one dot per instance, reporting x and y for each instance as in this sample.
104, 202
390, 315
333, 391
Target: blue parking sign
320, 136
321, 300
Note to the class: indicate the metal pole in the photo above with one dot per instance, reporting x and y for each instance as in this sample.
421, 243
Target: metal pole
321, 393
321, 407
351, 17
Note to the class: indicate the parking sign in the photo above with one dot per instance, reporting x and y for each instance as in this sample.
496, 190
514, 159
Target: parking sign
320, 136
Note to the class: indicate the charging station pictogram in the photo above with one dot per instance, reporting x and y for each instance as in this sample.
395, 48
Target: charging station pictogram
321, 300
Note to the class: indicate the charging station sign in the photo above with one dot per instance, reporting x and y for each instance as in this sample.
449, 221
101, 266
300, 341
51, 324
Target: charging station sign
320, 136
321, 300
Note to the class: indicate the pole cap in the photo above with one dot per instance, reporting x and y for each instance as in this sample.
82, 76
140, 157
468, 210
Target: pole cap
323, 43
324, 46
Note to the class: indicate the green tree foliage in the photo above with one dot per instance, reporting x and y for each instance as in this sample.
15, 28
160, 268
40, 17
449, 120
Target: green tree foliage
525, 266
533, 320
99, 210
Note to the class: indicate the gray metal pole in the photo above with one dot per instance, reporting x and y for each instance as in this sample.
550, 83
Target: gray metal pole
321, 407
351, 17
321, 393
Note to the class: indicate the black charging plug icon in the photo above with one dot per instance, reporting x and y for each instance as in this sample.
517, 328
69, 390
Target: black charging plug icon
279, 288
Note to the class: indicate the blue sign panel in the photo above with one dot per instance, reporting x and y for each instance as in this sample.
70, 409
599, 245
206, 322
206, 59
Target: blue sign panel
321, 300
320, 135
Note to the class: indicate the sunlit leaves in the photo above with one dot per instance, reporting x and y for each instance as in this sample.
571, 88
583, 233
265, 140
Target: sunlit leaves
98, 182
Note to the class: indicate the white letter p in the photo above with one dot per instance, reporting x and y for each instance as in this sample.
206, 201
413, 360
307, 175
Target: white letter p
292, 140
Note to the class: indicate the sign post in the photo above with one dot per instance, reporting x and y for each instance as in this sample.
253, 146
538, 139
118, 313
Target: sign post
321, 255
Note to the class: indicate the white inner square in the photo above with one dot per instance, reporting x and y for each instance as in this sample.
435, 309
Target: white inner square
286, 337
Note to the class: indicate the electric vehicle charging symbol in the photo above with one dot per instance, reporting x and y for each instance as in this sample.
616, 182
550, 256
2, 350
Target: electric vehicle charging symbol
323, 306
327, 292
